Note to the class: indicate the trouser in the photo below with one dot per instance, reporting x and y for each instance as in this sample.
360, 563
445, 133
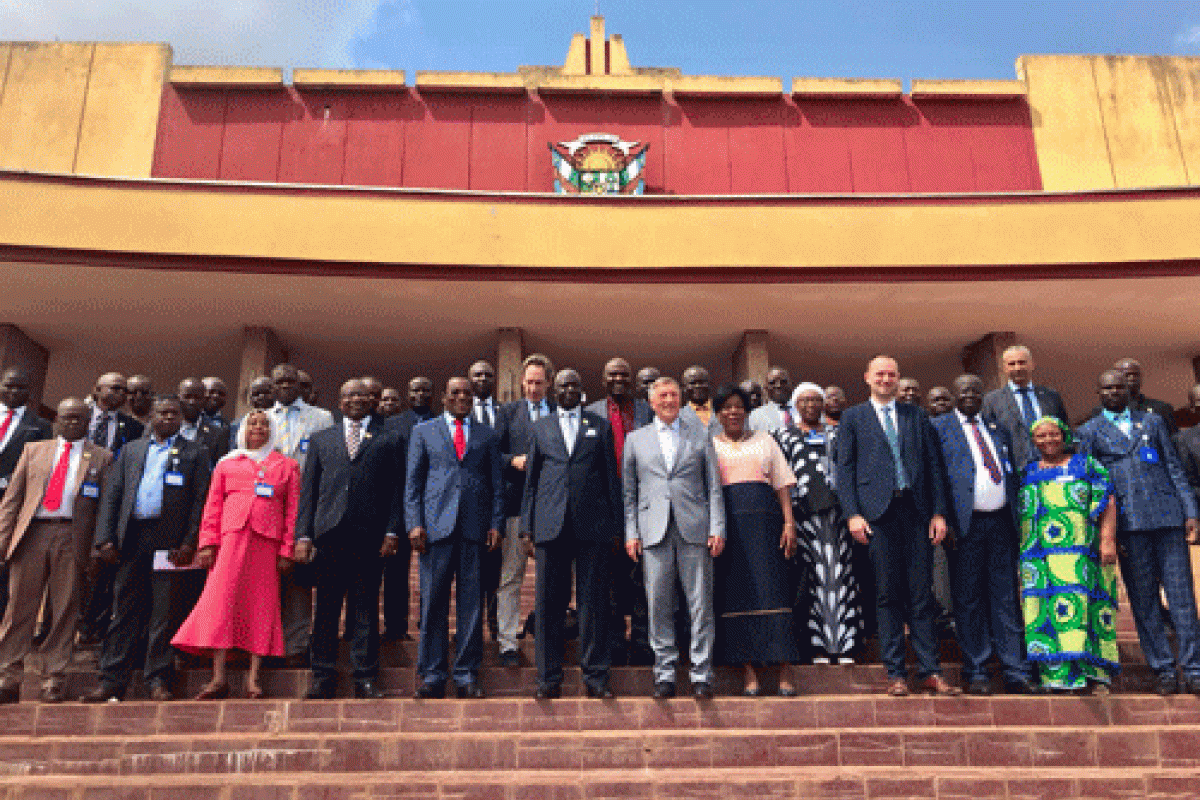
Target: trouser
148, 606
450, 560
51, 555
351, 577
900, 554
554, 561
628, 597
943, 588
395, 589
1158, 560
986, 615
664, 563
95, 613
295, 613
508, 594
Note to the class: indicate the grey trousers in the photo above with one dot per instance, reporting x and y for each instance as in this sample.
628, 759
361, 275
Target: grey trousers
296, 615
693, 565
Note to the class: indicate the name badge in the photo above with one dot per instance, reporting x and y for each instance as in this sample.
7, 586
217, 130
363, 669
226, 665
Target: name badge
174, 478
1064, 478
304, 445
90, 490
1007, 466
3, 483
590, 432
264, 490
1148, 454
815, 438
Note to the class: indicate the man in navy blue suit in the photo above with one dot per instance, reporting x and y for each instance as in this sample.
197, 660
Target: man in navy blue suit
454, 507
890, 485
983, 514
1156, 516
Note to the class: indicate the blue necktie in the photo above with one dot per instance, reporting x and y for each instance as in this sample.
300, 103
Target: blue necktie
1027, 411
889, 428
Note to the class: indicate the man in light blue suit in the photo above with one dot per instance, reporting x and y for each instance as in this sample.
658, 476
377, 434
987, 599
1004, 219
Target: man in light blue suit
454, 508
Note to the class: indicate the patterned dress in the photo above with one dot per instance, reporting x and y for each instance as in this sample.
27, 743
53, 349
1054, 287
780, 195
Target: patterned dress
828, 601
1068, 596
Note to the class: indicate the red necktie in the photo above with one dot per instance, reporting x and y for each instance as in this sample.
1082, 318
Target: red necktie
787, 417
8, 418
989, 462
460, 439
58, 479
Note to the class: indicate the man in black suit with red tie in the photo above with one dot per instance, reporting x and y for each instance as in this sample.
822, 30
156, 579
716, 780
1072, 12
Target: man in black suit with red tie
18, 424
572, 510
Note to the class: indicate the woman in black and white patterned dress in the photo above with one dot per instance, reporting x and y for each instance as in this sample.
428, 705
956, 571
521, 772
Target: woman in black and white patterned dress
829, 603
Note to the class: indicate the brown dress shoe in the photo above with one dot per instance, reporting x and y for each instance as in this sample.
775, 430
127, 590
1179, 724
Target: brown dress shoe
159, 692
936, 684
898, 688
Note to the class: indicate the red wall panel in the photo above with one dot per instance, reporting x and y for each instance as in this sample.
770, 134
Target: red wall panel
757, 163
313, 149
818, 157
697, 159
254, 123
499, 147
437, 143
375, 138
191, 126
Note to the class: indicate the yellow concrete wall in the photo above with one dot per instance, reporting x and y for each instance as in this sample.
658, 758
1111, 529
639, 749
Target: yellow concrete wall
81, 107
1114, 121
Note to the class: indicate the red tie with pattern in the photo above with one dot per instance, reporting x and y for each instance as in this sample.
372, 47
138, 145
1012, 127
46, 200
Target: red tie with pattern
8, 418
992, 467
58, 479
460, 439
787, 416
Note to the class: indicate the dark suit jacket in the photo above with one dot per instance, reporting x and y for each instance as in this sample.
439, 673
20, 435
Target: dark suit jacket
215, 437
182, 506
643, 414
1149, 496
364, 495
1000, 407
442, 494
866, 472
1187, 442
960, 468
31, 428
1143, 403
515, 429
128, 430
403, 423
582, 488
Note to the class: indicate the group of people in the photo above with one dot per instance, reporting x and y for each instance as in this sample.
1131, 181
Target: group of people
759, 527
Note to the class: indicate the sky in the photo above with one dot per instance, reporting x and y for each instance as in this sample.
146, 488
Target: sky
781, 38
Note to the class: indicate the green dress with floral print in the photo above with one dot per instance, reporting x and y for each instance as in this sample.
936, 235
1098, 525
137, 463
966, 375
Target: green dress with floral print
1068, 597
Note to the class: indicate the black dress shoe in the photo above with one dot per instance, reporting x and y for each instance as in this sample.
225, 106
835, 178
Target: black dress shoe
159, 691
103, 694
510, 658
52, 694
1023, 687
1168, 683
702, 690
321, 690
600, 691
10, 694
430, 691
548, 691
980, 687
663, 690
470, 691
40, 635
1191, 684
367, 690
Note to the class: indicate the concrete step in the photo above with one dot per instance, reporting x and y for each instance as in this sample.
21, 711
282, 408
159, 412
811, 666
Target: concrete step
786, 783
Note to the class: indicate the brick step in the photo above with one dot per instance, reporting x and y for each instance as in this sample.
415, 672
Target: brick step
848, 748
28, 721
653, 784
521, 681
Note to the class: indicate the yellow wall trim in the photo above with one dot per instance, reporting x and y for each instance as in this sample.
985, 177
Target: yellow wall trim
226, 76
305, 78
966, 89
848, 87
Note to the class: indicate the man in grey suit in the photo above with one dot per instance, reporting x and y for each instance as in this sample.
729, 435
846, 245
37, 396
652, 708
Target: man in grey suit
775, 415
1019, 403
675, 519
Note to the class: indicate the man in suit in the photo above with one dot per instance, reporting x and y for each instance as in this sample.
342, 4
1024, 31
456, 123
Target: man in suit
675, 520
983, 514
112, 429
19, 424
835, 404
152, 502
775, 415
939, 401
141, 398
486, 410
908, 390
390, 402
350, 511
1132, 370
375, 391
420, 407
515, 430
1156, 517
1019, 403
571, 511
625, 413
196, 427
890, 485
646, 376
1187, 442
47, 518
216, 394
296, 422
308, 391
697, 394
261, 394
454, 507
755, 391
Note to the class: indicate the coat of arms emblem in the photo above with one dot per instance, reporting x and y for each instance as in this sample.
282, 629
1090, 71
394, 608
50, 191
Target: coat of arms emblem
599, 163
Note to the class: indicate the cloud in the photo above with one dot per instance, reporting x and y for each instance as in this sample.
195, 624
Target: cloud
1189, 37
283, 33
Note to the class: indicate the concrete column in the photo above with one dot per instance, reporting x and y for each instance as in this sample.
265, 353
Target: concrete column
510, 350
751, 360
983, 358
261, 350
18, 350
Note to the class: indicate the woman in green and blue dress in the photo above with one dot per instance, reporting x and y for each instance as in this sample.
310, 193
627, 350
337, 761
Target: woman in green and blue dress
1068, 565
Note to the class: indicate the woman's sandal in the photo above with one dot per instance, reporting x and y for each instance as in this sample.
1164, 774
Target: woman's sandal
214, 691
255, 693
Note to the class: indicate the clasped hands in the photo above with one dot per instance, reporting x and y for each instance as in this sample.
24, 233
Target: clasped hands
860, 529
716, 546
419, 540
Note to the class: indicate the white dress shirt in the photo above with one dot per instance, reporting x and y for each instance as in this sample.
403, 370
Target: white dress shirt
485, 410
362, 430
668, 440
450, 424
97, 411
989, 495
568, 422
18, 415
879, 407
71, 487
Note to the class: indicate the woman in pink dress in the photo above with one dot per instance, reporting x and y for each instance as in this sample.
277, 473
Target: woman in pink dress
246, 539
